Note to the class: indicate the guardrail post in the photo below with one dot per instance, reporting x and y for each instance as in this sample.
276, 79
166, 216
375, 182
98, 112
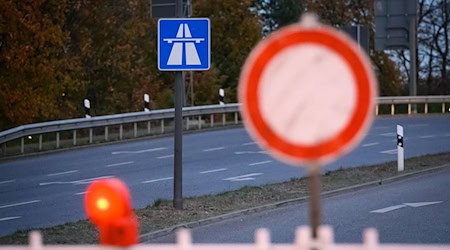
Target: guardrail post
199, 122
212, 120
409, 108
235, 118
120, 131
90, 135
224, 119
40, 142
4, 148
426, 108
57, 139
443, 108
162, 126
149, 127
392, 109
377, 109
135, 129
187, 123
22, 145
106, 133
74, 136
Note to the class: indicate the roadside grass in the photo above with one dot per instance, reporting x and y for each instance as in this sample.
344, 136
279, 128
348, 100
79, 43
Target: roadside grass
162, 215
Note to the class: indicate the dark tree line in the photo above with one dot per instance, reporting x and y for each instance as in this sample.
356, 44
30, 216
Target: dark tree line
58, 52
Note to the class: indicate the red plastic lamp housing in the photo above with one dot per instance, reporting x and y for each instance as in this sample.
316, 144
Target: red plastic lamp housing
108, 206
107, 200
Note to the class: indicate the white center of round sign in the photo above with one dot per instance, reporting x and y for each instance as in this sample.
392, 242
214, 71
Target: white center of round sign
302, 103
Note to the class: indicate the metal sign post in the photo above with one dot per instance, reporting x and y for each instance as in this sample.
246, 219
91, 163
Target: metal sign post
314, 200
413, 59
178, 153
183, 45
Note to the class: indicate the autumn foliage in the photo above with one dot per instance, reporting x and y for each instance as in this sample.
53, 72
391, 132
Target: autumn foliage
58, 52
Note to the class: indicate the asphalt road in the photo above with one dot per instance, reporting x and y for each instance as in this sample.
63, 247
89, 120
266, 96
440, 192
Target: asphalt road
415, 210
48, 189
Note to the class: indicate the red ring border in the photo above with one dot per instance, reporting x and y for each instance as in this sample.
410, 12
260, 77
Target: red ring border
360, 118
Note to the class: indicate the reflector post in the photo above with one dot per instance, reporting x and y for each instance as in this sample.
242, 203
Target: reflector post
108, 206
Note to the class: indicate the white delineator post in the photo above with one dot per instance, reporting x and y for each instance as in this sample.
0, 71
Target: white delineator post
146, 103
221, 96
87, 108
400, 150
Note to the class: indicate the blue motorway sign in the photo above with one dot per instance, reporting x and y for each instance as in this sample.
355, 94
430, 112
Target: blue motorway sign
183, 44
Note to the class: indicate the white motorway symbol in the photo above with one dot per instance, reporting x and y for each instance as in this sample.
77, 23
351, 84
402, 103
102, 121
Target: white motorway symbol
415, 204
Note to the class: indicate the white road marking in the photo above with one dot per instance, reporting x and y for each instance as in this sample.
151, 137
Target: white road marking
390, 152
212, 149
119, 164
388, 134
248, 143
164, 157
10, 218
388, 209
251, 152
259, 163
62, 173
8, 181
421, 204
77, 182
81, 193
426, 136
414, 205
213, 171
156, 180
246, 177
138, 151
370, 144
20, 204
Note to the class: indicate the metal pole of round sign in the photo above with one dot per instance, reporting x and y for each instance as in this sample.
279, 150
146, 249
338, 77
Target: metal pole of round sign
307, 95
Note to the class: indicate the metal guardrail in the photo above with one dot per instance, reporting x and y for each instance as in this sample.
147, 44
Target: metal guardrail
410, 100
120, 120
198, 112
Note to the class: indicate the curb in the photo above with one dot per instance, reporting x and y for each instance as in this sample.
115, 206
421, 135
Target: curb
206, 221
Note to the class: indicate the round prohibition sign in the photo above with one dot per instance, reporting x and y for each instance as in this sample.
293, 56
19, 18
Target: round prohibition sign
307, 94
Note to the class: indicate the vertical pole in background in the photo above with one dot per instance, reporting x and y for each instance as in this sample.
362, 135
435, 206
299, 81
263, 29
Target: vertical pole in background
358, 35
146, 103
221, 96
178, 151
87, 108
413, 59
400, 149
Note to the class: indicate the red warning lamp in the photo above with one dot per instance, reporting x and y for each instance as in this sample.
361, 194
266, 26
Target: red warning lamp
108, 206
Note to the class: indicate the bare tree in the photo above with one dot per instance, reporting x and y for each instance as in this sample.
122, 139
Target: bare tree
433, 47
